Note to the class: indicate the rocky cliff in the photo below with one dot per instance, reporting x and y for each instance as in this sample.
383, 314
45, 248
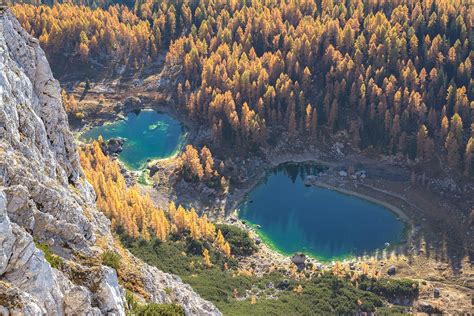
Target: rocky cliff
46, 203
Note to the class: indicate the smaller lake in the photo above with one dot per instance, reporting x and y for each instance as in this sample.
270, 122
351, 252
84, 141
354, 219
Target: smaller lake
324, 223
148, 134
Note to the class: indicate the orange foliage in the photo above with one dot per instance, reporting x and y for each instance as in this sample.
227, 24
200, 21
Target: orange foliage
136, 213
125, 206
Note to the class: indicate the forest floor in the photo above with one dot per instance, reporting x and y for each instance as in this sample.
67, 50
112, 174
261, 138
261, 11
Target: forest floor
439, 251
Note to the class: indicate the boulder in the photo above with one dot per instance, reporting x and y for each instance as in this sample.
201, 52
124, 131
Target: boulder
131, 104
113, 145
392, 270
153, 170
118, 107
310, 180
298, 258
427, 308
343, 173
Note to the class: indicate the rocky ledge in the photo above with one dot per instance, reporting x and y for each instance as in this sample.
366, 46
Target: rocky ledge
46, 200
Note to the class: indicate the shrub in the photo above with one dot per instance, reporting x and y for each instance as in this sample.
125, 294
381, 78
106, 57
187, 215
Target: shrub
111, 258
194, 247
326, 294
131, 302
80, 115
240, 242
154, 309
393, 310
391, 289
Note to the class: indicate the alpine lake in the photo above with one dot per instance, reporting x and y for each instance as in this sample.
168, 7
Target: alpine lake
287, 214
324, 223
148, 135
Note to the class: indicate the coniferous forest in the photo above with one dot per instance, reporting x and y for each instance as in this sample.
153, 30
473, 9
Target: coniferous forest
371, 99
395, 75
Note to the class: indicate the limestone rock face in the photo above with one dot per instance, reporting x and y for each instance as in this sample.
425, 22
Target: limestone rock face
168, 288
45, 199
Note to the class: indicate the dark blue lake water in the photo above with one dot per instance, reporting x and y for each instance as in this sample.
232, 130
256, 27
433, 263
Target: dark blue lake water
324, 223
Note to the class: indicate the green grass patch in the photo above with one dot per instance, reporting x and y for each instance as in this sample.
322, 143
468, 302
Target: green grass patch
54, 260
181, 257
153, 309
111, 258
393, 310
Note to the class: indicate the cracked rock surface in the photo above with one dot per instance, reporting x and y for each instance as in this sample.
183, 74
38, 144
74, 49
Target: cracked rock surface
45, 199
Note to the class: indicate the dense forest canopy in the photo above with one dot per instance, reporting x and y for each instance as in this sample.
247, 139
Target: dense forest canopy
396, 75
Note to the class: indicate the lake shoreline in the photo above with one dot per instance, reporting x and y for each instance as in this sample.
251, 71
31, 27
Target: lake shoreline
149, 135
272, 159
276, 161
424, 205
271, 252
387, 205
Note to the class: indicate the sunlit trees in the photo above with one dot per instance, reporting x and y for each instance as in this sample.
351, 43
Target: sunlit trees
253, 72
83, 45
192, 167
194, 227
424, 144
207, 162
469, 157
125, 206
200, 166
160, 224
222, 244
206, 258
378, 73
107, 33
135, 213
69, 102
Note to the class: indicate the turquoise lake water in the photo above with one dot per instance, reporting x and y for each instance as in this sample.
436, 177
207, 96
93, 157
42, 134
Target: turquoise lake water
324, 223
148, 134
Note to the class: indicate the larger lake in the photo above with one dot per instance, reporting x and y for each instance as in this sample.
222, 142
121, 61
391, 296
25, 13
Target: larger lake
327, 224
148, 134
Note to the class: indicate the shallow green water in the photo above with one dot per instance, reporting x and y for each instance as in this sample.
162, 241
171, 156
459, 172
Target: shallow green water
149, 135
322, 222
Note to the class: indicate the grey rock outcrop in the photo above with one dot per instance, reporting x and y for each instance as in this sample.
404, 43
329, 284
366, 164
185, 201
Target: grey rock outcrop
168, 288
113, 145
45, 198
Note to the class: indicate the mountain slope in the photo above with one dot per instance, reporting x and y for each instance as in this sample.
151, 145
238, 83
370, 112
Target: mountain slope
46, 202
